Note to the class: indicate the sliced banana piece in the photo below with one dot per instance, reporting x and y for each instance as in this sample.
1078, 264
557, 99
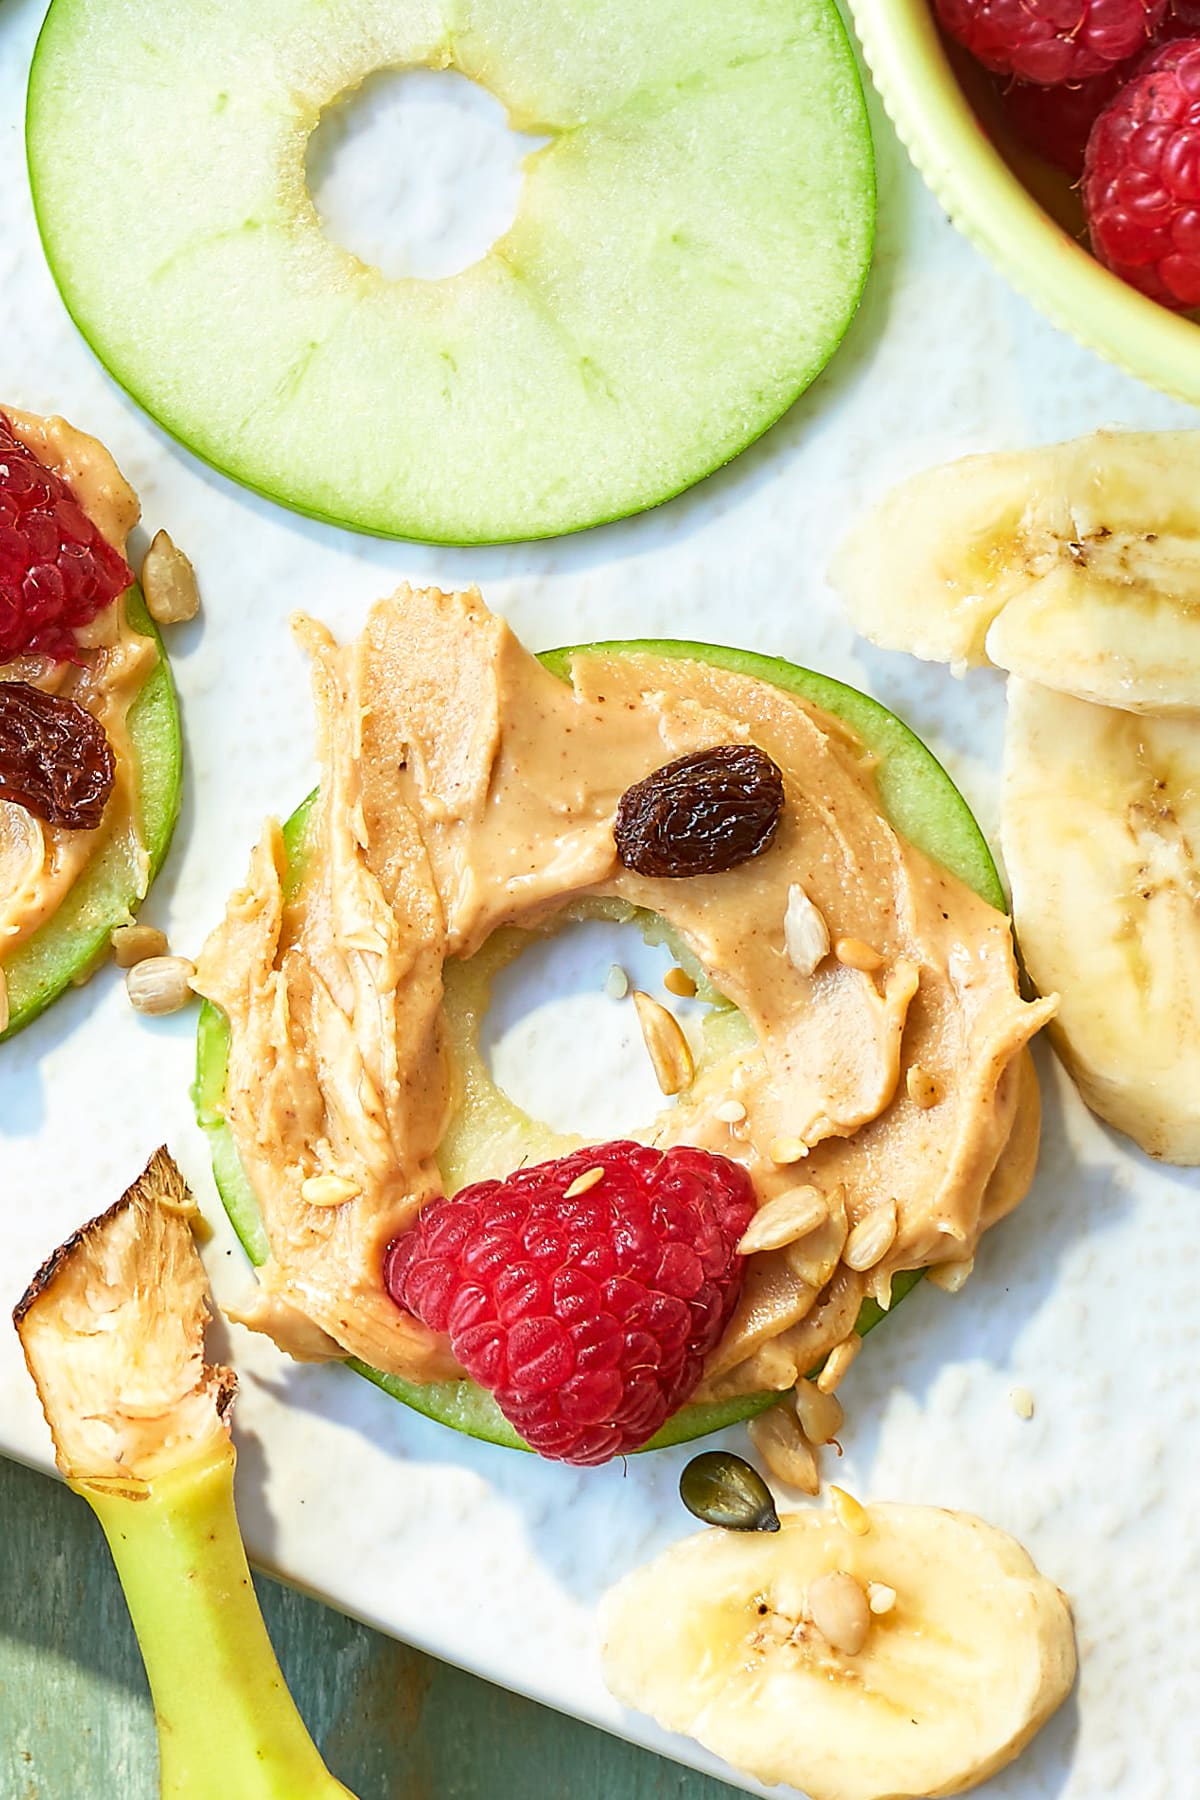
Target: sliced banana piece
1076, 565
1131, 642
733, 1640
931, 565
1100, 825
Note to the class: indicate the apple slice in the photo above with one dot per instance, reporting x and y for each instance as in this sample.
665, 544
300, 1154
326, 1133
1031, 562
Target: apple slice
688, 252
67, 947
921, 801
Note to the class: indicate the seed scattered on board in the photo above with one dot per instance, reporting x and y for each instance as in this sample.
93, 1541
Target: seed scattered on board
169, 583
160, 984
616, 983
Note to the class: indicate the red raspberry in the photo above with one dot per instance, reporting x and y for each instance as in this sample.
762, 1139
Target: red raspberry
1051, 41
588, 1315
1181, 20
56, 570
1055, 122
1141, 178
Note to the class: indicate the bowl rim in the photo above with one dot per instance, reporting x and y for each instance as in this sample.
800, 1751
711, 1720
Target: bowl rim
986, 200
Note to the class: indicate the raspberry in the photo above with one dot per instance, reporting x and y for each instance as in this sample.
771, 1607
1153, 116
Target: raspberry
1051, 41
1181, 20
1141, 179
56, 570
1055, 122
588, 1315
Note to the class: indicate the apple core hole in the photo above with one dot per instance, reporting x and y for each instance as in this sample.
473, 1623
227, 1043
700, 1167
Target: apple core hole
566, 1050
416, 172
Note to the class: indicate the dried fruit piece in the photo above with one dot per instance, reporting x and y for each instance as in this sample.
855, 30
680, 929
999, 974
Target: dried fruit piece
55, 758
56, 569
726, 1490
701, 814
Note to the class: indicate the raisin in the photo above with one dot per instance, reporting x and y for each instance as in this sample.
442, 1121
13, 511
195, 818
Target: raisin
701, 814
55, 758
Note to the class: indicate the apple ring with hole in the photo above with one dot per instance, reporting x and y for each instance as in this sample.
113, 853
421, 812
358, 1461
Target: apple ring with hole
688, 250
858, 1106
90, 753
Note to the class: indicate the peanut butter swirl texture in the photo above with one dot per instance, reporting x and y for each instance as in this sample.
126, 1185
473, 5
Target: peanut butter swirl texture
464, 788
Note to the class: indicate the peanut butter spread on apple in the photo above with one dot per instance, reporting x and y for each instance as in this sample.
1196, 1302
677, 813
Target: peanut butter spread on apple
464, 788
40, 862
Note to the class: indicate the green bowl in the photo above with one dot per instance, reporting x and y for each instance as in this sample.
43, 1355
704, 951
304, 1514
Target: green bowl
1021, 214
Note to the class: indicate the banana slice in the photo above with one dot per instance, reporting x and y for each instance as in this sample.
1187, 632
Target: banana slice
1076, 565
931, 565
1100, 825
731, 1637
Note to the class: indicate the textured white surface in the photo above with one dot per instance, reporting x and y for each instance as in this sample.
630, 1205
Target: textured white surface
486, 1557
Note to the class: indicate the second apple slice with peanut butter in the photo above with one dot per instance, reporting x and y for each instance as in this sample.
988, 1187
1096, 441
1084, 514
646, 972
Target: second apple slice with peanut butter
865, 1083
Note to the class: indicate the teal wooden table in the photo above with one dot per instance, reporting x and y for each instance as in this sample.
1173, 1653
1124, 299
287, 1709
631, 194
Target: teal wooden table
76, 1724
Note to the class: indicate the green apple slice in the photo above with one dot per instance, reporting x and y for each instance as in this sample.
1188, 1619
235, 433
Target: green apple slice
689, 248
921, 801
69, 945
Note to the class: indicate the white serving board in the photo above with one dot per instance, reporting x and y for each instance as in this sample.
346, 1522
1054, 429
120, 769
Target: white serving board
488, 1558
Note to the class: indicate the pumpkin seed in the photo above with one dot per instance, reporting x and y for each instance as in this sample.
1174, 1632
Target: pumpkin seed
726, 1490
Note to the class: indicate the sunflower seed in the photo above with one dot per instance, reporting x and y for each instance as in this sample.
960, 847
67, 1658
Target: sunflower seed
838, 1361
135, 943
872, 1237
782, 1220
850, 1513
669, 1050
805, 933
328, 1190
169, 583
583, 1182
839, 1611
160, 984
857, 955
777, 1437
